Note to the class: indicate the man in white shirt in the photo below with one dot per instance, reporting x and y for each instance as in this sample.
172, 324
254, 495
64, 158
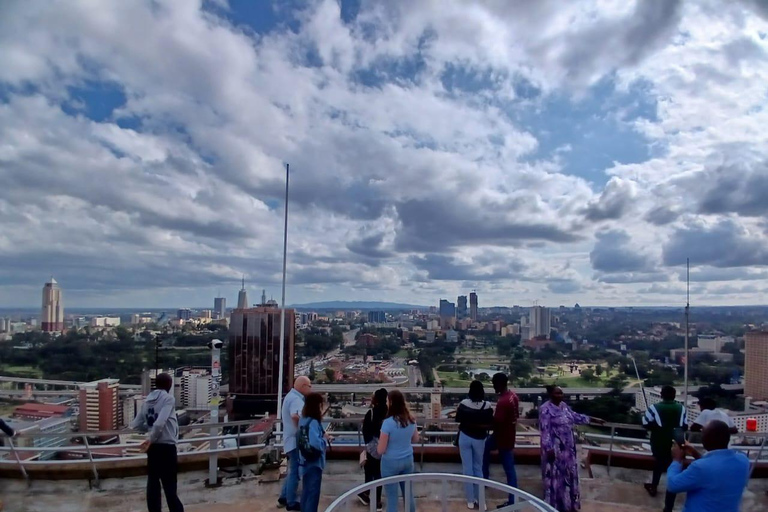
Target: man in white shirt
709, 412
292, 407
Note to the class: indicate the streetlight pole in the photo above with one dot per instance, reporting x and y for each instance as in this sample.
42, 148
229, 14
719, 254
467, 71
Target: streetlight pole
213, 460
281, 371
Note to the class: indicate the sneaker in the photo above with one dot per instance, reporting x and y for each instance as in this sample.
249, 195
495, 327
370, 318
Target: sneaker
379, 507
652, 491
281, 503
293, 508
362, 498
471, 505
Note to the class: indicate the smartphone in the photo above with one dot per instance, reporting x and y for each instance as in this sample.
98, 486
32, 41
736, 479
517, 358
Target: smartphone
679, 436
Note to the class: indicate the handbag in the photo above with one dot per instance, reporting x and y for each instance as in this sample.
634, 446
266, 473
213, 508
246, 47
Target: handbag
372, 448
363, 458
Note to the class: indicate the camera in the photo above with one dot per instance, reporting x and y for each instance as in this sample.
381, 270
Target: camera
215, 344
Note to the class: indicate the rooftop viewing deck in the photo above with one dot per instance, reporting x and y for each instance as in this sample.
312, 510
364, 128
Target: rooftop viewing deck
622, 490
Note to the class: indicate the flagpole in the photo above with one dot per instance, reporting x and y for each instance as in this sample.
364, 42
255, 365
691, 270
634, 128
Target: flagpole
281, 371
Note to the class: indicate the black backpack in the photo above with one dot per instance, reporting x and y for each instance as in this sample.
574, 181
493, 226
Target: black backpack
309, 452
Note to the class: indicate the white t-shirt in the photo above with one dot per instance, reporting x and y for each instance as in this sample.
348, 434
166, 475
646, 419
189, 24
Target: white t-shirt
708, 415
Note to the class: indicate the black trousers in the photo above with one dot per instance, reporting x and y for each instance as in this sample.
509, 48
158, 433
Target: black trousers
162, 467
660, 465
373, 472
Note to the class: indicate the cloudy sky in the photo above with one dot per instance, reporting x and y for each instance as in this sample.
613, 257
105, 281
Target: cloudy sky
551, 151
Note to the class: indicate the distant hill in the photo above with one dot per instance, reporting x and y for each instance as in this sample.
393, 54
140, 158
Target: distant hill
342, 305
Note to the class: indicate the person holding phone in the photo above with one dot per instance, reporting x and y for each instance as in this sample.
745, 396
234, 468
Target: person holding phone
559, 463
661, 420
714, 481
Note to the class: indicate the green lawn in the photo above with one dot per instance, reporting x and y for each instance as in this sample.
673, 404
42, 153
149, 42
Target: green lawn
402, 353
574, 382
452, 379
21, 371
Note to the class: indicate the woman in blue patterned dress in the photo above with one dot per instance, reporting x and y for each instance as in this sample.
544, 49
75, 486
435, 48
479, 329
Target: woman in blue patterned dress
559, 464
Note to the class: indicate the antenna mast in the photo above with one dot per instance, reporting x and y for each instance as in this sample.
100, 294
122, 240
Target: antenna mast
687, 315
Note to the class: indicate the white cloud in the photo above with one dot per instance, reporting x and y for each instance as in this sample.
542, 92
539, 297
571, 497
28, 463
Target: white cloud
391, 169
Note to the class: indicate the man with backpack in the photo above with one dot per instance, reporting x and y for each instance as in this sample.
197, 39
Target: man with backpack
290, 415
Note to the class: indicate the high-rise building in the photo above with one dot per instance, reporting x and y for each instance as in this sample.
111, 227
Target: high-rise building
219, 307
263, 297
461, 306
473, 306
100, 405
540, 322
242, 298
192, 388
756, 365
254, 358
377, 317
52, 317
184, 314
447, 309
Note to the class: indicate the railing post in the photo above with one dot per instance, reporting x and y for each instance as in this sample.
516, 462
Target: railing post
444, 495
481, 498
93, 463
757, 460
18, 460
421, 461
238, 447
407, 496
610, 449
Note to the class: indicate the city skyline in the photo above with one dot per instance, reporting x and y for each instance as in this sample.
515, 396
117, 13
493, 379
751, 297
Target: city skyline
549, 153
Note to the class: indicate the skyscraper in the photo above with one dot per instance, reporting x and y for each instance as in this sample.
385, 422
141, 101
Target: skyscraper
242, 298
473, 306
540, 322
219, 307
99, 405
254, 358
756, 365
184, 314
447, 314
263, 297
52, 317
461, 306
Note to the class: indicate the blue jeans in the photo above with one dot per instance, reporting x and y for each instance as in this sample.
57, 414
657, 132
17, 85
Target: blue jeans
472, 451
310, 489
291, 483
394, 467
507, 458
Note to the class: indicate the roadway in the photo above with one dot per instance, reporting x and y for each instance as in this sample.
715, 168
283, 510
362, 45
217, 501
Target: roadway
51, 382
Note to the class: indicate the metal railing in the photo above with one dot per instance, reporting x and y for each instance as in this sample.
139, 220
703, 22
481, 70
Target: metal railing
522, 500
98, 456
127, 451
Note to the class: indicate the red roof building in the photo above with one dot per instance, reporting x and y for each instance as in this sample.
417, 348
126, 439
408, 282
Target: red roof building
34, 412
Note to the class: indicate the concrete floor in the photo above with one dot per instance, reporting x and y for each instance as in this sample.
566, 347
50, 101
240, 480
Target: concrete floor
622, 490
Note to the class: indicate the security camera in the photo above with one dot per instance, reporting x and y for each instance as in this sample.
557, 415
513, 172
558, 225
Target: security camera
215, 344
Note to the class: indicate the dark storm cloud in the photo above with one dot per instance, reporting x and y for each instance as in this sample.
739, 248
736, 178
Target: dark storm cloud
613, 202
661, 215
725, 244
622, 44
370, 246
445, 268
736, 189
434, 224
614, 252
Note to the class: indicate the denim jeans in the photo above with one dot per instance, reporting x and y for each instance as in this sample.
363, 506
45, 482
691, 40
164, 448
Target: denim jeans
394, 467
291, 484
472, 451
310, 489
507, 458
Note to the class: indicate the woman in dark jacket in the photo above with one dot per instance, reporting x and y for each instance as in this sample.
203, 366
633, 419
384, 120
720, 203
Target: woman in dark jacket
371, 432
475, 417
